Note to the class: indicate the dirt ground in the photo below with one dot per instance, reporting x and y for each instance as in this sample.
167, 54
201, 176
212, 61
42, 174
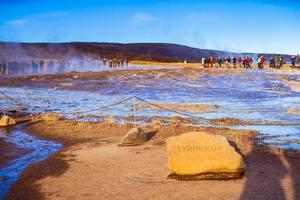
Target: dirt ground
92, 166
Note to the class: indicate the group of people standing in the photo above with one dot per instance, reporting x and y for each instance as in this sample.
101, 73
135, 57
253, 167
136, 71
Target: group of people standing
277, 62
116, 62
247, 61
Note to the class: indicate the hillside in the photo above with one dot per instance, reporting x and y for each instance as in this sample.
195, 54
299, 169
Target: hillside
162, 52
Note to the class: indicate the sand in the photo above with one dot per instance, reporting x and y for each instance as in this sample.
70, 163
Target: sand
92, 166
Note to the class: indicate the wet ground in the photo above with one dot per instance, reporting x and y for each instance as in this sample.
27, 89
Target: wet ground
258, 99
254, 96
24, 150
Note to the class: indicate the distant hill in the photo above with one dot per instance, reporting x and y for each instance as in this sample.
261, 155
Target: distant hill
162, 52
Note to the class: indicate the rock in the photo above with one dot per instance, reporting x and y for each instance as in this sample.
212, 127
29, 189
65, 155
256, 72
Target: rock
134, 137
110, 119
50, 117
7, 121
198, 152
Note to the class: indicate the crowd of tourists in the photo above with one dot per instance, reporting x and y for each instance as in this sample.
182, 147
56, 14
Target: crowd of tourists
247, 61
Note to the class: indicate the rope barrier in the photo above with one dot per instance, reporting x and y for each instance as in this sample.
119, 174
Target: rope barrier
6, 96
19, 108
170, 110
101, 108
11, 98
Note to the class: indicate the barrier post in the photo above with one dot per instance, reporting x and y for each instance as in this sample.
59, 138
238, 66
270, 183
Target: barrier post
134, 110
4, 101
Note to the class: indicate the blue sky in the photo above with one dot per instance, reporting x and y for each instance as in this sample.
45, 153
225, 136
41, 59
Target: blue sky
242, 26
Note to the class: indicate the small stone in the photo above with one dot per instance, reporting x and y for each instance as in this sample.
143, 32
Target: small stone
134, 137
7, 121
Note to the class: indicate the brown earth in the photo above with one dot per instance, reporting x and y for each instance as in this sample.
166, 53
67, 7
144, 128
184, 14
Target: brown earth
92, 166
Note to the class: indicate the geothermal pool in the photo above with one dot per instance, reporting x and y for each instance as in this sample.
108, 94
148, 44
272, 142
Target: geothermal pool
56, 69
255, 96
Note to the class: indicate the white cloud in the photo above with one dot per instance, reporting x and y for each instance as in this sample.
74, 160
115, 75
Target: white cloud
35, 17
17, 22
141, 17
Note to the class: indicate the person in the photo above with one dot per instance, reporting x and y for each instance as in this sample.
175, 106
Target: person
110, 64
244, 62
227, 61
248, 61
262, 61
234, 61
202, 62
220, 60
205, 62
281, 61
259, 62
293, 59
104, 61
211, 61
34, 66
272, 62
216, 60
277, 61
298, 59
240, 60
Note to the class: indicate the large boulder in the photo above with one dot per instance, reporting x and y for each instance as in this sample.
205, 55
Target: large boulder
197, 153
7, 121
134, 137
